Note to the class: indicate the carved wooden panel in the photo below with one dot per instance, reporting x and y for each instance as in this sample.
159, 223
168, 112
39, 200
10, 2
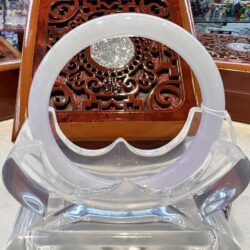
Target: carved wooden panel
226, 48
152, 81
154, 85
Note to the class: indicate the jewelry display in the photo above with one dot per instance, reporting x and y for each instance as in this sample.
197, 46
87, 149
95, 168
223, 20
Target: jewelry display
122, 197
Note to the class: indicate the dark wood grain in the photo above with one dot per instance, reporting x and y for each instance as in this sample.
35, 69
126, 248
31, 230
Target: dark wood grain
8, 89
237, 90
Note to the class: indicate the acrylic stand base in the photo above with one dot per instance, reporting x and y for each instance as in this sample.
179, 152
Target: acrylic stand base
126, 216
86, 234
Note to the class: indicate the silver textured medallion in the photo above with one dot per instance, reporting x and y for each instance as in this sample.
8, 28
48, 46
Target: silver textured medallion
113, 53
241, 47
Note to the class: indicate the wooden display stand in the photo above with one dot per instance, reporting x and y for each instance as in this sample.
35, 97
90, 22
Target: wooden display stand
160, 89
9, 71
235, 71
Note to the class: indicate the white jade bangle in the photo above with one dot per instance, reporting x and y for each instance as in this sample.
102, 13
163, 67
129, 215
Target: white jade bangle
139, 25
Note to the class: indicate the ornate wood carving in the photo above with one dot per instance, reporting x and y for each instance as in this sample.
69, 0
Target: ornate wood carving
156, 85
218, 47
151, 81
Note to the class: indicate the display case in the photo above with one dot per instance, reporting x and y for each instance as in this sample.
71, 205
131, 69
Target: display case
224, 28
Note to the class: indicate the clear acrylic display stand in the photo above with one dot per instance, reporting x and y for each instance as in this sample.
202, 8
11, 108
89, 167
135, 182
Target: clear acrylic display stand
121, 197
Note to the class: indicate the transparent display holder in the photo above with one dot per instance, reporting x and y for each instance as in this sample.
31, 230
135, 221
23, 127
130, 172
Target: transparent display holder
121, 197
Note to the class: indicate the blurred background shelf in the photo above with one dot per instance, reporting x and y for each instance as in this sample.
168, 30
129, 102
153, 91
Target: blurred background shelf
221, 20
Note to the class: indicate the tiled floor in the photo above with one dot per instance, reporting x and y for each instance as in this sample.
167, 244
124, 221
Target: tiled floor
8, 206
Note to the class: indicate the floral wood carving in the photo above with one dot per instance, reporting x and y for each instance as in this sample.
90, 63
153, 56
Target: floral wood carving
151, 81
219, 47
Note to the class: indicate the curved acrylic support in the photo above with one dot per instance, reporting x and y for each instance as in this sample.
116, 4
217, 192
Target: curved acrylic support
194, 209
128, 24
125, 168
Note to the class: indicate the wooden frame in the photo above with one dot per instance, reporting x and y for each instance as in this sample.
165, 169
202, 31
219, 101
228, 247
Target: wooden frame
14, 61
9, 70
107, 129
